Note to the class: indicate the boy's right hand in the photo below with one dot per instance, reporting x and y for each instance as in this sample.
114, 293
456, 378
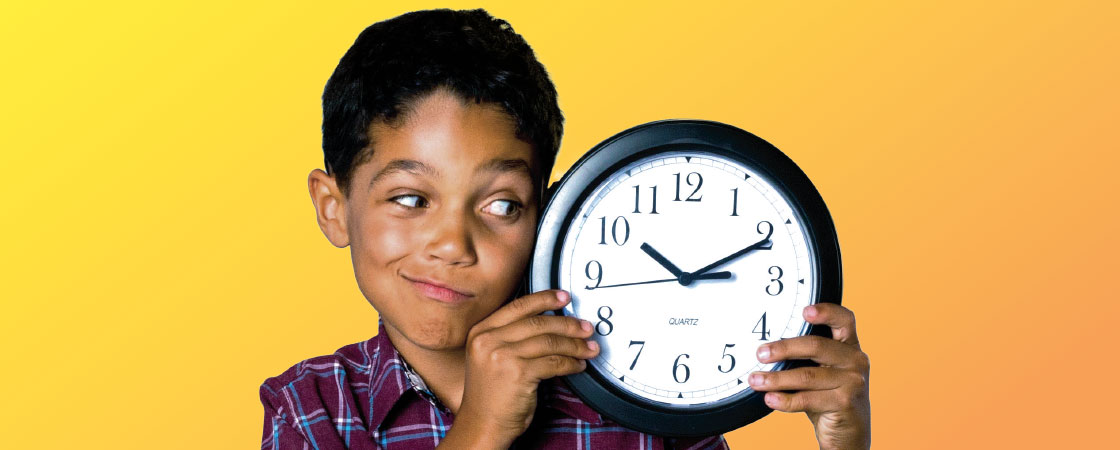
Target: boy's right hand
508, 354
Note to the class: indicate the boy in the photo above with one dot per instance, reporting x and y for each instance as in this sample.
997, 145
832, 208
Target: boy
440, 130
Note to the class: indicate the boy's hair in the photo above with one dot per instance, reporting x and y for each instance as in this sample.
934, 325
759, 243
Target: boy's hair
396, 62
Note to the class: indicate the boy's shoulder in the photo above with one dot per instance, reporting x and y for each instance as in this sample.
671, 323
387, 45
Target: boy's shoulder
314, 386
327, 398
345, 376
353, 359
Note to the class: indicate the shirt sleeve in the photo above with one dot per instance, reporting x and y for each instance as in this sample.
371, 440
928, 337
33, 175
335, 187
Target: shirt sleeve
699, 443
278, 431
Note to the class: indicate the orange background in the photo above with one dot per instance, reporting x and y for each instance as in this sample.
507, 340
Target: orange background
161, 258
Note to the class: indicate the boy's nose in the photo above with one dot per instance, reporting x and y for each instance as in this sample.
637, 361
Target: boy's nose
451, 241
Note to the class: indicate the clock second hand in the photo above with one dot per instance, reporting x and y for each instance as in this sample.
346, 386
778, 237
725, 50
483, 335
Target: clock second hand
707, 276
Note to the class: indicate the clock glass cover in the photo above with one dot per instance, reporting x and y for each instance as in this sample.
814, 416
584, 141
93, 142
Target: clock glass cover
685, 262
687, 244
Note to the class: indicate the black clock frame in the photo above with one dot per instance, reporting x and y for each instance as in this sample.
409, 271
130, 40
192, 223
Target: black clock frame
701, 136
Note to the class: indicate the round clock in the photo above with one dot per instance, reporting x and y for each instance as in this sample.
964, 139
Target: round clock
687, 244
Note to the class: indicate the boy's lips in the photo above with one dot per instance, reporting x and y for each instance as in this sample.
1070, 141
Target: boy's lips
437, 290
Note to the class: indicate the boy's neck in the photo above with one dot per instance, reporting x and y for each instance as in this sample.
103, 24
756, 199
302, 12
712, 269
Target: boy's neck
443, 371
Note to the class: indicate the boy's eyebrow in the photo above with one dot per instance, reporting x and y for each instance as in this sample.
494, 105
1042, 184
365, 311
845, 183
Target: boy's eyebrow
506, 165
418, 168
403, 165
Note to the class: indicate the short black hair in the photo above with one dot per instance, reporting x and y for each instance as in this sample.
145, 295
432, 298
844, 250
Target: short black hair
398, 61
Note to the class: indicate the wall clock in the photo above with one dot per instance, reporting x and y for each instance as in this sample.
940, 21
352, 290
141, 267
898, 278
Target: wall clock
687, 244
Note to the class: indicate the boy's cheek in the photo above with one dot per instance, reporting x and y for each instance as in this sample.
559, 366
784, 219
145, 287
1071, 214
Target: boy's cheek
376, 249
520, 244
387, 235
505, 260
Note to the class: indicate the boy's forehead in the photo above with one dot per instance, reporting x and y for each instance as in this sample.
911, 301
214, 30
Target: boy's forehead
443, 135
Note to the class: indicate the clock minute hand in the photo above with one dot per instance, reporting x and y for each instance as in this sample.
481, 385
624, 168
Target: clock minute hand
673, 269
764, 244
708, 276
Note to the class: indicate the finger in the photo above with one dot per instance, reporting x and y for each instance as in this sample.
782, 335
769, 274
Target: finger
550, 366
824, 351
522, 307
550, 344
806, 401
840, 319
543, 325
800, 379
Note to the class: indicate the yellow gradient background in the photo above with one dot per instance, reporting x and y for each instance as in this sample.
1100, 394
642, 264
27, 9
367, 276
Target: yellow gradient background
160, 257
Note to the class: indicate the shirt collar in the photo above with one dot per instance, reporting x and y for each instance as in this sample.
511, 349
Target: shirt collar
387, 379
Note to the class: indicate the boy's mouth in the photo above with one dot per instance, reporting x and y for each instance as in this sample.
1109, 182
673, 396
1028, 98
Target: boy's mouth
437, 291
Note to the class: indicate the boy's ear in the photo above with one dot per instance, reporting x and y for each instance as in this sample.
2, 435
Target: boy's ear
330, 207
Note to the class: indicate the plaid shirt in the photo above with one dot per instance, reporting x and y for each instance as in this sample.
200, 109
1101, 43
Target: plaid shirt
365, 396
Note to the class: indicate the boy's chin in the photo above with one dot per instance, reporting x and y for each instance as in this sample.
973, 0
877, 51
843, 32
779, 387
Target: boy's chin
438, 336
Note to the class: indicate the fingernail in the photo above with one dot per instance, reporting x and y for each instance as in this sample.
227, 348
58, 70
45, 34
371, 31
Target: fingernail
763, 353
563, 297
594, 346
585, 325
756, 379
810, 312
582, 364
771, 399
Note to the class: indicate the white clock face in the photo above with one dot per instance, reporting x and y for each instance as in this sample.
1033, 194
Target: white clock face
686, 262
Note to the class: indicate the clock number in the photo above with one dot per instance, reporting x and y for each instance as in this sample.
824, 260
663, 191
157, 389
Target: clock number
614, 230
642, 347
603, 321
764, 332
725, 356
734, 202
637, 197
598, 277
677, 365
777, 279
769, 230
688, 181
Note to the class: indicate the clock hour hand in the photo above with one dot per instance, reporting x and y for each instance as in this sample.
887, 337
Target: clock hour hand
764, 244
708, 276
673, 269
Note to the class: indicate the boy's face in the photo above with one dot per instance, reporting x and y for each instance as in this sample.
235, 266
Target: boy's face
441, 219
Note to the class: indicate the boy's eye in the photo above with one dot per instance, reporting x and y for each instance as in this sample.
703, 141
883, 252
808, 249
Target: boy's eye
411, 201
502, 208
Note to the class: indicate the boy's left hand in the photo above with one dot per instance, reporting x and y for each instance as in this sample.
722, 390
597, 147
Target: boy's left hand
834, 395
